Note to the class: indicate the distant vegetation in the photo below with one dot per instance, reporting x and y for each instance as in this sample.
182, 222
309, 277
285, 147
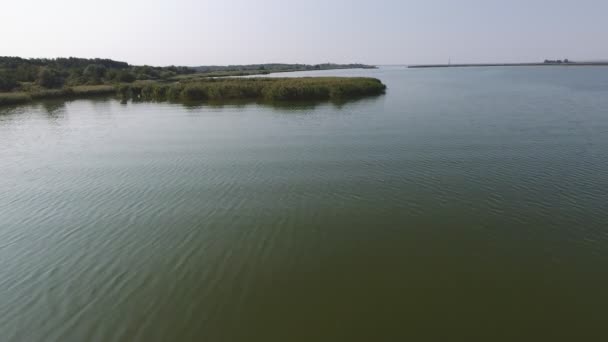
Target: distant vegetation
558, 61
31, 75
547, 62
23, 80
261, 69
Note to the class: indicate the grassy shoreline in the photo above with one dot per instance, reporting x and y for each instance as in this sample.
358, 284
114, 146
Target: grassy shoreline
269, 89
14, 98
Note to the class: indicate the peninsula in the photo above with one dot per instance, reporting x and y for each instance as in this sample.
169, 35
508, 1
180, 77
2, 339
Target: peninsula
24, 80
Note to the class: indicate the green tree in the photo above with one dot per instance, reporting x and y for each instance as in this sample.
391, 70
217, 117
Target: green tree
26, 73
7, 81
166, 74
50, 78
125, 76
94, 73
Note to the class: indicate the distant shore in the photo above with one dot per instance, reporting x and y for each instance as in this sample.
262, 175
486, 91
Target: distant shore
265, 69
473, 65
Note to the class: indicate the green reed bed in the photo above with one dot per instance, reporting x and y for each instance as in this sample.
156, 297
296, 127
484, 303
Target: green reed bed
14, 98
274, 89
216, 89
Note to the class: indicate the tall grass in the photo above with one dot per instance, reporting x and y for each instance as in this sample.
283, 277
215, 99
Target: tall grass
274, 89
218, 89
92, 90
14, 98
68, 92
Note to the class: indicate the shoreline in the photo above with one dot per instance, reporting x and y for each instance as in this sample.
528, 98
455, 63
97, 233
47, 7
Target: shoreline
75, 92
210, 89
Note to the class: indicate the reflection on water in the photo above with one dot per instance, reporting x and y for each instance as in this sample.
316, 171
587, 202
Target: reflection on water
54, 108
463, 203
280, 105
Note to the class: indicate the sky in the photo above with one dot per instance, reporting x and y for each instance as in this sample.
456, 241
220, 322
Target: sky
221, 32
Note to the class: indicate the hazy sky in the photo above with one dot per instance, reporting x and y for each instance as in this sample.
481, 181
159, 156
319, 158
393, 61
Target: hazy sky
198, 32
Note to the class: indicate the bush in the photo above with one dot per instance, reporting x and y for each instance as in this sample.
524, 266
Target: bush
125, 76
7, 82
50, 78
94, 73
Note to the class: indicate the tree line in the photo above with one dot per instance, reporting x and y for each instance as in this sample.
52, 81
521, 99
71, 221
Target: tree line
280, 67
25, 74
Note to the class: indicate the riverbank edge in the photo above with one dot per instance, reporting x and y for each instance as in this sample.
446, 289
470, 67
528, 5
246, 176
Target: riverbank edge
298, 88
15, 98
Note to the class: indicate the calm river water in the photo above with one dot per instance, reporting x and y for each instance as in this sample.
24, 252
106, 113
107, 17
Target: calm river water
464, 202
